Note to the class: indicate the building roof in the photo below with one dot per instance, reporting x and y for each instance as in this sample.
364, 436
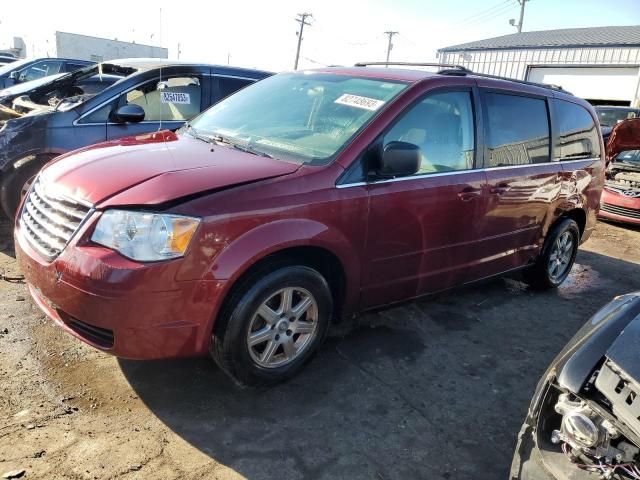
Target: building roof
565, 37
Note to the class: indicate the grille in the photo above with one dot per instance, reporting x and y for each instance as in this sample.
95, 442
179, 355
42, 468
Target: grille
622, 211
49, 222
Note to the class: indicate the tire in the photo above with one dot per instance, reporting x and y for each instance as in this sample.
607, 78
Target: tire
14, 183
282, 341
557, 257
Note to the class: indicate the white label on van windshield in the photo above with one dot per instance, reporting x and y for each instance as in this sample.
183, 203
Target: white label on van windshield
357, 101
173, 97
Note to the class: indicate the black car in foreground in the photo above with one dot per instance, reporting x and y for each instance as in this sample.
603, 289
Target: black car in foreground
584, 419
29, 69
153, 94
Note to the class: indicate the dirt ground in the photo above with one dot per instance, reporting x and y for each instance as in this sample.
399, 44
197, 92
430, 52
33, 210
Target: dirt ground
436, 388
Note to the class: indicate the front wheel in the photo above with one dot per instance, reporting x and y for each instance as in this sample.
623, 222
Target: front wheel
272, 325
557, 257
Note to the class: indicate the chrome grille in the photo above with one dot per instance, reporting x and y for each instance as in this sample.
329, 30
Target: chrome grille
622, 211
50, 221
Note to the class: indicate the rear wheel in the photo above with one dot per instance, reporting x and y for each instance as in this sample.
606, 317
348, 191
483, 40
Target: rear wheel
16, 184
557, 257
273, 324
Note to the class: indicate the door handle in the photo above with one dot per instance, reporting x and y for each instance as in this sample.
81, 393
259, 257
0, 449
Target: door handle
469, 193
500, 189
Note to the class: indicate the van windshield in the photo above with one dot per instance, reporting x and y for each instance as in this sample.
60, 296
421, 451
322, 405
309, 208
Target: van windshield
300, 117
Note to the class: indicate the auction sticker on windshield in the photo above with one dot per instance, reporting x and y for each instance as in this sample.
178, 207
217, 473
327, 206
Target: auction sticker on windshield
174, 97
357, 101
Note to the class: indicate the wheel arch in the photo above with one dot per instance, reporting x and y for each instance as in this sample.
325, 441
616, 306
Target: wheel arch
578, 215
287, 242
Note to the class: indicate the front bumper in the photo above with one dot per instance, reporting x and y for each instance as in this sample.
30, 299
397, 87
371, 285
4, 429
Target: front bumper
131, 310
619, 208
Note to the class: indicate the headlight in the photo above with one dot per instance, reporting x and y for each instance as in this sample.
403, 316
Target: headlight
145, 236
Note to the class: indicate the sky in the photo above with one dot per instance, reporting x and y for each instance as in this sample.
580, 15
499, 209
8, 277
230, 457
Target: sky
262, 34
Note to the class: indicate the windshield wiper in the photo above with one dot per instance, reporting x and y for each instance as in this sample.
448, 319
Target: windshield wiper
198, 136
243, 147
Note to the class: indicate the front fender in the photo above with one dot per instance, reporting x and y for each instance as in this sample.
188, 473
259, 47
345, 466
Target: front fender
256, 244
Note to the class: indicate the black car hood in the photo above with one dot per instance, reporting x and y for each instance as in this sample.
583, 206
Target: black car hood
625, 350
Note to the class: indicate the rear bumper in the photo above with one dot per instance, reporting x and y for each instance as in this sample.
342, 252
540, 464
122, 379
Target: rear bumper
124, 308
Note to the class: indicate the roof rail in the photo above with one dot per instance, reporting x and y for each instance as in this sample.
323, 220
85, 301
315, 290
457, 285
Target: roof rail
523, 82
450, 68
453, 69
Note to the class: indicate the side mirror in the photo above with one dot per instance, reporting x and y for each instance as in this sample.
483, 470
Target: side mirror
624, 136
399, 159
130, 113
15, 75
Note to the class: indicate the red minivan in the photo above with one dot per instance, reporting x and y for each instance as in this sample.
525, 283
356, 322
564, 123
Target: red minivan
307, 197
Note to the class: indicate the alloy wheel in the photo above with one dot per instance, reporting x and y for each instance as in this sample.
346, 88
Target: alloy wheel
560, 256
283, 327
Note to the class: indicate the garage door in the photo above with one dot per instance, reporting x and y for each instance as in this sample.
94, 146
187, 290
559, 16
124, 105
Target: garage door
591, 83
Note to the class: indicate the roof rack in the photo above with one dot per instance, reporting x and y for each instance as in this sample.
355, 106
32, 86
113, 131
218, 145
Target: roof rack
523, 82
453, 69
449, 68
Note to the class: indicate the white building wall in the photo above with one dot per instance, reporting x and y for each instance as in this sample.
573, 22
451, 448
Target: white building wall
83, 47
518, 63
514, 63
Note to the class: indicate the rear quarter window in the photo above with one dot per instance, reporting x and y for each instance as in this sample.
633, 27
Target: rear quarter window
578, 135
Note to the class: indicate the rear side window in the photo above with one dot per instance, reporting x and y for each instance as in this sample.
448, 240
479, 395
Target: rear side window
229, 85
578, 135
517, 130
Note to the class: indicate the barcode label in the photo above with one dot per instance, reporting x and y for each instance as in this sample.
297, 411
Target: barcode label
172, 97
357, 101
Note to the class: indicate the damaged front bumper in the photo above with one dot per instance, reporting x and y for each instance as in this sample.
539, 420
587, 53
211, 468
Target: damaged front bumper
583, 420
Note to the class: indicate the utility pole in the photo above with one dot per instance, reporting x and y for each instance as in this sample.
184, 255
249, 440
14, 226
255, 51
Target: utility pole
390, 45
302, 20
518, 25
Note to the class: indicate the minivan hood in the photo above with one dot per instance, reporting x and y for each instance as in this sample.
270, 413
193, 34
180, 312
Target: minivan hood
155, 168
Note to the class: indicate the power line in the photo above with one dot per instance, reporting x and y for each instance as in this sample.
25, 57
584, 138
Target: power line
302, 20
497, 13
390, 45
484, 12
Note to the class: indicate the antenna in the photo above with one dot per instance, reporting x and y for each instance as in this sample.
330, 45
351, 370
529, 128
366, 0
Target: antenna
160, 72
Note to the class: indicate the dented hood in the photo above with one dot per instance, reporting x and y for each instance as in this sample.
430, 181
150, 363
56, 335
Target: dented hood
155, 168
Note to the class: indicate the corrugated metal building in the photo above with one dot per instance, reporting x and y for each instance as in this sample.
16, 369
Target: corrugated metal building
599, 64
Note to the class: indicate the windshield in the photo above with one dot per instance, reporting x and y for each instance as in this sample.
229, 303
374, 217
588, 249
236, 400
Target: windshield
302, 117
14, 66
629, 156
610, 116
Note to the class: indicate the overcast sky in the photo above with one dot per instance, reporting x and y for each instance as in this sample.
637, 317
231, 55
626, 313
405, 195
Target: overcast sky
262, 34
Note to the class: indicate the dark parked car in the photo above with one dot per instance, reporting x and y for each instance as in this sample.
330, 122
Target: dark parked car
621, 194
154, 93
7, 58
307, 197
584, 419
29, 69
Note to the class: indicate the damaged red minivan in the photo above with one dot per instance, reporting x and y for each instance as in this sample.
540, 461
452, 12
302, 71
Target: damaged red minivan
307, 197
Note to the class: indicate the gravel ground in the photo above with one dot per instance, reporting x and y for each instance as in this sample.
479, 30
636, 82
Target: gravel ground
435, 388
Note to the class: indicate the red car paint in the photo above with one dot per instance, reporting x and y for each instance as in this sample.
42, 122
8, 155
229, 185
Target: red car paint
619, 207
394, 241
